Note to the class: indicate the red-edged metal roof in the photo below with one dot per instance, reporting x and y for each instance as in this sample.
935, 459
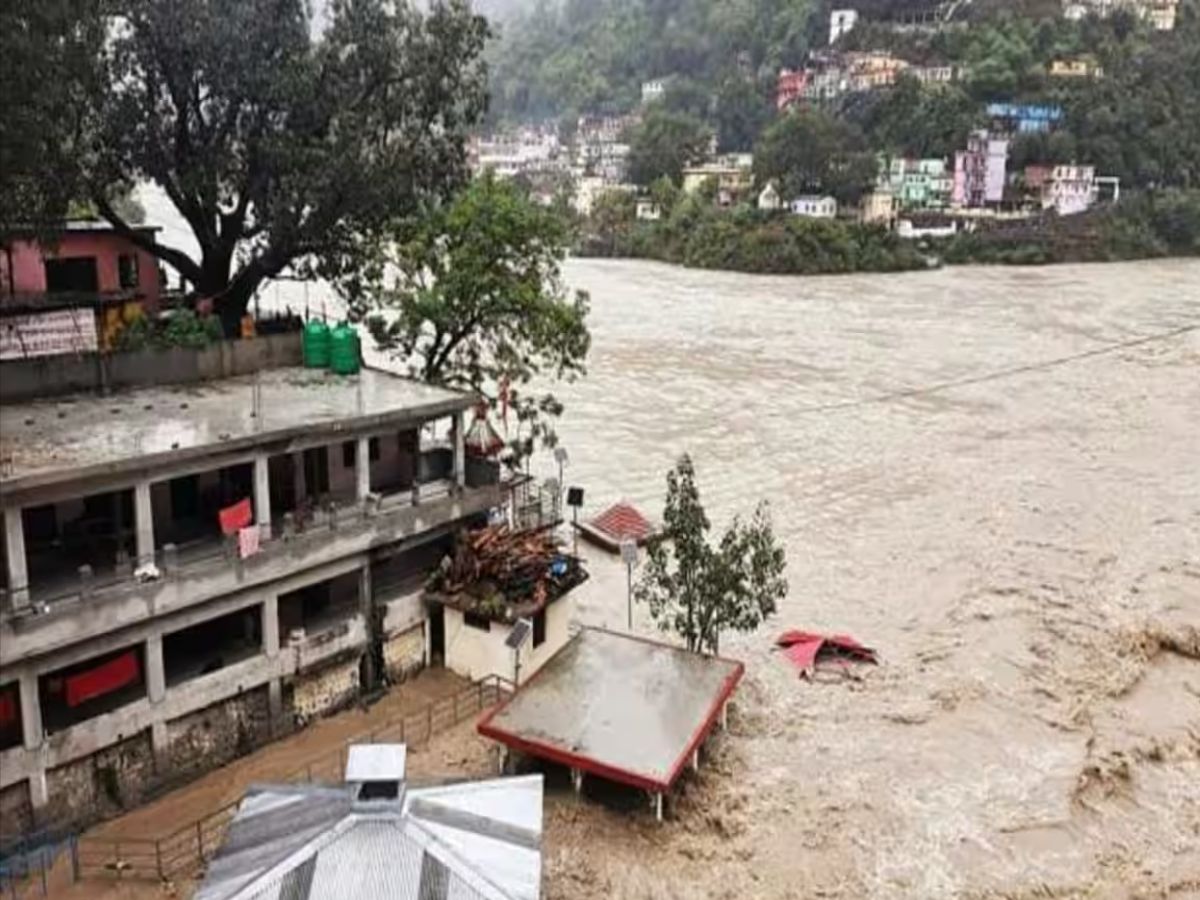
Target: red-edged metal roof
618, 706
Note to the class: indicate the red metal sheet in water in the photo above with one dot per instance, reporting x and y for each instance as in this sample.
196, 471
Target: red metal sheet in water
805, 648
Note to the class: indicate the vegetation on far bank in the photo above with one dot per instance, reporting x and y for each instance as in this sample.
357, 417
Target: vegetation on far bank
695, 233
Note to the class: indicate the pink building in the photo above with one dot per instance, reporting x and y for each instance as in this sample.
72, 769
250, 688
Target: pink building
789, 89
979, 171
74, 293
87, 261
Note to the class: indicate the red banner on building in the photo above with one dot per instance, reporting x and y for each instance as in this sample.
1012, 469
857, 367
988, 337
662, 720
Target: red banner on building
104, 679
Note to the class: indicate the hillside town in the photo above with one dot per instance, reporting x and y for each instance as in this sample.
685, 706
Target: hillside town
916, 197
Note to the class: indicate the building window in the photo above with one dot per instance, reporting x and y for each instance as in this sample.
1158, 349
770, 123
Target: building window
539, 628
77, 273
127, 270
474, 620
373, 449
348, 449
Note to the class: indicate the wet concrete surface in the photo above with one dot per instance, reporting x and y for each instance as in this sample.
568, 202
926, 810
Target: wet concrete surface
66, 435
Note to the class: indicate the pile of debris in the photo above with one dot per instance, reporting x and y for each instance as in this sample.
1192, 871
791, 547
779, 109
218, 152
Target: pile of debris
501, 569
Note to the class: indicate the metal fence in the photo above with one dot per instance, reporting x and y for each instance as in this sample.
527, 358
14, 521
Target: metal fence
26, 864
184, 852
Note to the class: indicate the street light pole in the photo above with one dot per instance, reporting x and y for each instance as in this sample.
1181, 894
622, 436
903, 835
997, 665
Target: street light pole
629, 555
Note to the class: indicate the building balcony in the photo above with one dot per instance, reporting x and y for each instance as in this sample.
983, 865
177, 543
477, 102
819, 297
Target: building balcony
81, 605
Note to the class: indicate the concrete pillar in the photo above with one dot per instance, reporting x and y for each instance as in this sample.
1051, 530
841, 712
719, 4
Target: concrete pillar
577, 780
143, 520
156, 673
366, 603
14, 547
39, 794
270, 626
460, 449
160, 742
275, 697
31, 711
262, 496
362, 469
658, 807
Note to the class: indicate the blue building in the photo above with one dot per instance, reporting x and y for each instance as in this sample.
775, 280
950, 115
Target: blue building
1024, 118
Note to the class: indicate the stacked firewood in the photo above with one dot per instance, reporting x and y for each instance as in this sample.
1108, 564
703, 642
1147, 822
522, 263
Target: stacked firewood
496, 559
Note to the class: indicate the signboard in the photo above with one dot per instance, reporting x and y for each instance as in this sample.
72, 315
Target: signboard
48, 334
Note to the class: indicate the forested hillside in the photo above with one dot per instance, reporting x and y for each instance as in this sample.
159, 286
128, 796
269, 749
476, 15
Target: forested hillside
592, 55
1140, 121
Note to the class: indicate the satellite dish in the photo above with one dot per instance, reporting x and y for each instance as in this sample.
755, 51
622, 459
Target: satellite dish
519, 635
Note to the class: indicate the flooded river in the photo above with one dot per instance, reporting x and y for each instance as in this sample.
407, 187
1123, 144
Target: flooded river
987, 474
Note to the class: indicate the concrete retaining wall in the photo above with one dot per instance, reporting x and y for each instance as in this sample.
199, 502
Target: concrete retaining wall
213, 736
16, 812
103, 784
404, 653
325, 691
48, 376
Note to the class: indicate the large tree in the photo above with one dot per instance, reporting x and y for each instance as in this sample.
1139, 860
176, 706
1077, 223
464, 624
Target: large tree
809, 151
471, 296
699, 590
49, 51
663, 144
279, 146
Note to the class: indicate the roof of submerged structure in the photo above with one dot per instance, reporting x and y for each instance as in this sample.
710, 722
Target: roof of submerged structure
625, 708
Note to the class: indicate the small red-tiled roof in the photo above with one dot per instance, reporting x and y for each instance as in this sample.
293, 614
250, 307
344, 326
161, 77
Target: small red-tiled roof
619, 522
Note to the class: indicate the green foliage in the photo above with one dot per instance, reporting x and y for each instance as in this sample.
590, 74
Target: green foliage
472, 297
663, 144
48, 71
179, 328
912, 120
593, 55
698, 234
809, 151
1141, 226
279, 145
698, 590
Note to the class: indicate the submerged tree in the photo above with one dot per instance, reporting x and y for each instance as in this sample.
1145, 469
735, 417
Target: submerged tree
471, 296
282, 145
699, 590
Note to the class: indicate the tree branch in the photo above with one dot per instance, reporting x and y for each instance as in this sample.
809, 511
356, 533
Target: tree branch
182, 263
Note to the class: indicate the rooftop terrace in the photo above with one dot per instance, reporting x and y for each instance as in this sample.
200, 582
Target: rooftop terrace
79, 436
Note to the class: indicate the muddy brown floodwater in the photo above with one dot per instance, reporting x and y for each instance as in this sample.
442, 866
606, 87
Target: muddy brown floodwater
1021, 543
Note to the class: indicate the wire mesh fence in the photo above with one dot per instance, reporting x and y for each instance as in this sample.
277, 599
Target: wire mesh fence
184, 852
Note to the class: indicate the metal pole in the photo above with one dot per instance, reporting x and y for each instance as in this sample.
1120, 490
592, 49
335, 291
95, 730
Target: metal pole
629, 595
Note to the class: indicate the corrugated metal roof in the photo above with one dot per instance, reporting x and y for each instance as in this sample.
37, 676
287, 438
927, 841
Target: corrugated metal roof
474, 840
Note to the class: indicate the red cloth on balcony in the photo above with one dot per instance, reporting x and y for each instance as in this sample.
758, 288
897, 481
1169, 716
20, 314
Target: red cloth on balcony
104, 679
8, 709
235, 518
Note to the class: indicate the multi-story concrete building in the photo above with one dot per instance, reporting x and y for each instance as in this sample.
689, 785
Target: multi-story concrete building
1067, 189
190, 569
1161, 14
980, 171
917, 183
841, 21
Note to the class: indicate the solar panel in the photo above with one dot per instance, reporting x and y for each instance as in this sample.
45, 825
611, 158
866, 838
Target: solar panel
519, 634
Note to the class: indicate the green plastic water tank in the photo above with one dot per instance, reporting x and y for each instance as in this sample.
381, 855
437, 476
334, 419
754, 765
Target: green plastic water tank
343, 350
315, 344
